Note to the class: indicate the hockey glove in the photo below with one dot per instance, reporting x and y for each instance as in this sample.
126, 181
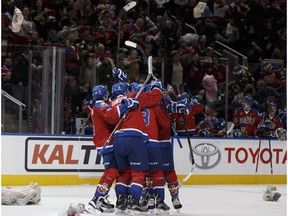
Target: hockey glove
130, 103
237, 133
119, 74
268, 123
205, 132
194, 101
261, 127
156, 84
178, 107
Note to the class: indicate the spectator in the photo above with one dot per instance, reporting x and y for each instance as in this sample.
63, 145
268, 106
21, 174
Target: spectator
175, 72
168, 36
266, 93
210, 91
274, 79
87, 71
159, 62
104, 71
71, 91
136, 32
6, 75
71, 60
36, 81
53, 40
220, 9
40, 15
19, 76
131, 66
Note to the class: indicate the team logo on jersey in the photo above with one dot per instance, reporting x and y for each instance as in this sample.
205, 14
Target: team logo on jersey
103, 189
209, 155
247, 120
149, 182
173, 190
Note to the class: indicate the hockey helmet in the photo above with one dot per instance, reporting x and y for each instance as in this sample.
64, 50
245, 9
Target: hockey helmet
247, 102
99, 92
185, 95
119, 88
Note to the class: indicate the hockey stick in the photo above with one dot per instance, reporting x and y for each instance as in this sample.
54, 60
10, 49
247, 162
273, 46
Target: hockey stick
126, 8
189, 141
136, 46
176, 135
257, 162
271, 165
123, 10
190, 149
150, 73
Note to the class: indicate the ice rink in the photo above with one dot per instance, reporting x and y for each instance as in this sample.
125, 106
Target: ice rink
197, 200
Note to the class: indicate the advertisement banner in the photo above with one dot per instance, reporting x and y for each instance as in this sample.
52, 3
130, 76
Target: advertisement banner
77, 156
232, 156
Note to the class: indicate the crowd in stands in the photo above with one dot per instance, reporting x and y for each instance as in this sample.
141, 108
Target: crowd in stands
88, 31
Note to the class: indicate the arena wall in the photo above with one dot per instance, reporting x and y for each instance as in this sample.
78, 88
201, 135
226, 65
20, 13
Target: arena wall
72, 160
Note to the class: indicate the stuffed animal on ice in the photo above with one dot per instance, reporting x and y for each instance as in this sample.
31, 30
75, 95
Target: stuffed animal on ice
271, 194
210, 91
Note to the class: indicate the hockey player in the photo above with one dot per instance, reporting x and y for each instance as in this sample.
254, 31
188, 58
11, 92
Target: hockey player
195, 108
246, 119
270, 122
104, 118
163, 111
129, 145
211, 125
155, 177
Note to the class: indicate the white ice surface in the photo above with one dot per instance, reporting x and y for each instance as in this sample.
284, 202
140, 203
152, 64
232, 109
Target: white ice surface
197, 200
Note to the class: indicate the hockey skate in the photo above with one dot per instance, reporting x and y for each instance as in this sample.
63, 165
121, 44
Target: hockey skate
151, 204
144, 200
121, 205
135, 208
106, 205
176, 204
94, 206
162, 207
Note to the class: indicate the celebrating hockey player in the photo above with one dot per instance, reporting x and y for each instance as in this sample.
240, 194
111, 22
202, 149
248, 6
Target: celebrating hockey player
104, 118
212, 125
195, 108
129, 145
163, 111
155, 175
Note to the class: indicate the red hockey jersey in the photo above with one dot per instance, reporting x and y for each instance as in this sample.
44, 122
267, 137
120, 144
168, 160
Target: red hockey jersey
246, 121
133, 124
190, 120
103, 118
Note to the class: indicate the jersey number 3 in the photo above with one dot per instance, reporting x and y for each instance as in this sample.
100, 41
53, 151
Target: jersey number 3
146, 114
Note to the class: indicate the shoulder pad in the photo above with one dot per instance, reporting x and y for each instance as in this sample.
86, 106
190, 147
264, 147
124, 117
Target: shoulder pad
101, 105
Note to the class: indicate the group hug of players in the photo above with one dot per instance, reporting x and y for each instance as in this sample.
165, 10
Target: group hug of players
139, 156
